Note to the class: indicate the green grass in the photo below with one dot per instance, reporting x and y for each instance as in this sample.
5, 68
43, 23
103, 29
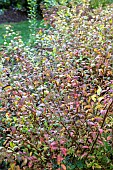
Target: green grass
97, 3
21, 27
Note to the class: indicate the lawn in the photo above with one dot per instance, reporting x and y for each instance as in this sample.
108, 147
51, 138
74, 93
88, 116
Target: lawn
21, 27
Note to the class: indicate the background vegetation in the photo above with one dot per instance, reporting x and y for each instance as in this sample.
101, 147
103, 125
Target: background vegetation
24, 3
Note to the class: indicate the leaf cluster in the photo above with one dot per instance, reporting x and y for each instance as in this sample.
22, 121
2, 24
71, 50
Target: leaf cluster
57, 96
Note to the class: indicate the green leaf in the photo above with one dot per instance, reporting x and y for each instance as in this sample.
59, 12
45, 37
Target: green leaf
98, 166
54, 50
93, 97
12, 165
99, 90
12, 145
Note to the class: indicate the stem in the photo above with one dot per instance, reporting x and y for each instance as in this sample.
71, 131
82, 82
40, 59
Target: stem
112, 137
105, 116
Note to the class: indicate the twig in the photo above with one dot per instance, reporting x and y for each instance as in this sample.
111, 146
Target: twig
112, 137
105, 116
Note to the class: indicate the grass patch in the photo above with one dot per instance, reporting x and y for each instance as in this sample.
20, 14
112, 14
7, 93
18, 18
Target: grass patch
97, 3
21, 27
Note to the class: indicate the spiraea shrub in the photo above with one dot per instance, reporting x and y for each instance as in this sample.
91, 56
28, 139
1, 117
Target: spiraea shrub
57, 97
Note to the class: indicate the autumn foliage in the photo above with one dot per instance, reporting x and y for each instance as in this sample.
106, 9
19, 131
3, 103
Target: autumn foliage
57, 95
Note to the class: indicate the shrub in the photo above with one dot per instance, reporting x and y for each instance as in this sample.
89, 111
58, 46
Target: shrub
56, 97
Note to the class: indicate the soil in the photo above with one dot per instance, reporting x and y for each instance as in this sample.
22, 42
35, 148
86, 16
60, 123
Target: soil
13, 15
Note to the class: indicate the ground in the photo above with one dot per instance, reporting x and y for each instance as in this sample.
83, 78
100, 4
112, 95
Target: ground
13, 15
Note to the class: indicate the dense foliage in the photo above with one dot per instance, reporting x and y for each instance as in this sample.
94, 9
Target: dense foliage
57, 93
50, 3
7, 3
20, 5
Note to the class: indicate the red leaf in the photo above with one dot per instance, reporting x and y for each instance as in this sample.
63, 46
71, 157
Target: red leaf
109, 138
84, 154
2, 109
62, 142
64, 151
75, 96
53, 145
41, 139
77, 104
91, 123
101, 131
94, 135
86, 147
103, 112
98, 119
89, 140
59, 159
30, 164
63, 166
13, 129
100, 142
